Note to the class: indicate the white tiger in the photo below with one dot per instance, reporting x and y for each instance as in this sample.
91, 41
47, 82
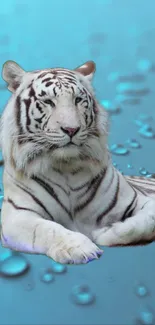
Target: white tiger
62, 194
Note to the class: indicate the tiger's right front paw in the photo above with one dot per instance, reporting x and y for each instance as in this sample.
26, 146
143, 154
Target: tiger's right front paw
73, 248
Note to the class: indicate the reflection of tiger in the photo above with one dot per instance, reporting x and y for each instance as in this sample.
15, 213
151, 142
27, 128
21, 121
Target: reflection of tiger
62, 195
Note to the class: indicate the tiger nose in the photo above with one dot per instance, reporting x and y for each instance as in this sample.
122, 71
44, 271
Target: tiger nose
70, 131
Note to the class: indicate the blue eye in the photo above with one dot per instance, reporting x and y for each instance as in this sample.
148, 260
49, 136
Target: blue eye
77, 100
49, 102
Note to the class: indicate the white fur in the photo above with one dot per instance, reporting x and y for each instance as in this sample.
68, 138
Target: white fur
66, 240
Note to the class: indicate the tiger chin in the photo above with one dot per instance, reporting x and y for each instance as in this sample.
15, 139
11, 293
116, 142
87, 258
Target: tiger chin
62, 194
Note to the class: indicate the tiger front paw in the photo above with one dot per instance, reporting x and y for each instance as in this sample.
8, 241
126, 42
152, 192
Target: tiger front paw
73, 248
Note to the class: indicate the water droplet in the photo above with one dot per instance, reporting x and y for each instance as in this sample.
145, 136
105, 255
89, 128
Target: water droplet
124, 86
58, 268
133, 143
119, 149
120, 98
149, 176
141, 291
82, 295
47, 276
110, 107
142, 119
131, 89
144, 65
138, 123
129, 166
146, 131
14, 265
145, 117
146, 318
124, 99
143, 171
128, 78
5, 254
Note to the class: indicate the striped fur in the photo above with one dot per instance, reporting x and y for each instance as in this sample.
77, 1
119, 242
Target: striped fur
62, 195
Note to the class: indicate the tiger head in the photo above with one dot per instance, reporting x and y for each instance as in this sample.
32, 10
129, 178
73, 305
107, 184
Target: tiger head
52, 118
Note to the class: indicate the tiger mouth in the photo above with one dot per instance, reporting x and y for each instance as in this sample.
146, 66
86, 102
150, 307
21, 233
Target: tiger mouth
70, 144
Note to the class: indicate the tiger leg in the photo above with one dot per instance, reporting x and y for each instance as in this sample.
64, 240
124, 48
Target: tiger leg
26, 231
135, 230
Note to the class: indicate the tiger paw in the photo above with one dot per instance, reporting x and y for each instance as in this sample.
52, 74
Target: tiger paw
75, 248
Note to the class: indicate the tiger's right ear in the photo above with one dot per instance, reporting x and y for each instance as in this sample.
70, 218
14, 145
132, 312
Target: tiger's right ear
12, 73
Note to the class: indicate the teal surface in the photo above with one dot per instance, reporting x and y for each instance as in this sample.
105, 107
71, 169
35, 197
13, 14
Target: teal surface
119, 35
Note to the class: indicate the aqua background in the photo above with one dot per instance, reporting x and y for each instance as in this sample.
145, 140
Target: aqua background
119, 35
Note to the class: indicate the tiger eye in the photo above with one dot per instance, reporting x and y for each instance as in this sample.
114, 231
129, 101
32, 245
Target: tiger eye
77, 100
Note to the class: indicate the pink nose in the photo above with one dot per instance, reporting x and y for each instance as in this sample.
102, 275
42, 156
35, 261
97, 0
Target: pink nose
70, 131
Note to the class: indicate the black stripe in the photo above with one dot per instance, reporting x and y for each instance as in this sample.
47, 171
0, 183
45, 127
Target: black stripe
112, 203
144, 186
78, 188
56, 184
111, 180
143, 190
142, 180
137, 188
141, 186
71, 81
95, 180
49, 84
130, 209
32, 93
18, 118
40, 109
65, 73
17, 207
39, 120
51, 191
91, 119
85, 103
93, 187
73, 90
43, 93
43, 74
28, 120
46, 79
54, 91
46, 122
37, 201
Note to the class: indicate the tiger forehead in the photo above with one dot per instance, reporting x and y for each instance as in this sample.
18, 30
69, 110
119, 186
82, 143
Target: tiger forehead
60, 79
57, 72
55, 75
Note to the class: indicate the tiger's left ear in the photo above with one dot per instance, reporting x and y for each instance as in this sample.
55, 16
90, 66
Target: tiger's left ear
87, 70
12, 73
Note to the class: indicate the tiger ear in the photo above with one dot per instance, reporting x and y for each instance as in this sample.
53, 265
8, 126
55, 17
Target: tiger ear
12, 73
87, 70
